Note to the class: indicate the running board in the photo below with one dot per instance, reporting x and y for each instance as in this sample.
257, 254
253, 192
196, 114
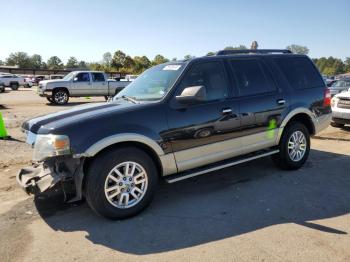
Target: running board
218, 166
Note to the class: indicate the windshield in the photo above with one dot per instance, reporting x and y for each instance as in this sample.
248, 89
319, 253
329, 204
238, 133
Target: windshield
69, 76
154, 83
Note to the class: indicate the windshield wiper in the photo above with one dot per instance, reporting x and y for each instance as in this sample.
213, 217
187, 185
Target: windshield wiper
130, 98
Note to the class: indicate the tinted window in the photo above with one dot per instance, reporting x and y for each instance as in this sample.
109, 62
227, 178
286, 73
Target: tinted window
251, 77
83, 77
300, 72
98, 77
211, 75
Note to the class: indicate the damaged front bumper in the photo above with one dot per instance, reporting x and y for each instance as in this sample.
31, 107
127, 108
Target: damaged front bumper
37, 179
45, 175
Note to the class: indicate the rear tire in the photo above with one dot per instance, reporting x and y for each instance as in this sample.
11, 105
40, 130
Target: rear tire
60, 97
14, 86
294, 147
115, 193
335, 124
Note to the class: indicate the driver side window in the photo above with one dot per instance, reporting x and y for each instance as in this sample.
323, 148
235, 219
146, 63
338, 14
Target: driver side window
83, 77
211, 75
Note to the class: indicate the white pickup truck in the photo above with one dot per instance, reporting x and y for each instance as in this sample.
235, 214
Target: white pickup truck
12, 81
77, 84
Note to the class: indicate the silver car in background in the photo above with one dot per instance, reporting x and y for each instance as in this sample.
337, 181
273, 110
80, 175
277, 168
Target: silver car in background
340, 86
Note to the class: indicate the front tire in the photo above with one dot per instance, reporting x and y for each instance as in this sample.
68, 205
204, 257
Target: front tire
14, 86
49, 99
294, 147
60, 97
121, 183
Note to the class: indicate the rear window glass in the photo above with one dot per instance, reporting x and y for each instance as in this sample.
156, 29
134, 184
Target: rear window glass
251, 77
300, 72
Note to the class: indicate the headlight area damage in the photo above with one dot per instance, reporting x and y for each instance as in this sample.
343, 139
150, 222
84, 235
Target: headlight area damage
53, 164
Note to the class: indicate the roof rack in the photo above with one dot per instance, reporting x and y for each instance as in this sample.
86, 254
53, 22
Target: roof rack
254, 51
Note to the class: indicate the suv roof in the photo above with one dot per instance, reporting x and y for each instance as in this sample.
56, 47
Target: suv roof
245, 53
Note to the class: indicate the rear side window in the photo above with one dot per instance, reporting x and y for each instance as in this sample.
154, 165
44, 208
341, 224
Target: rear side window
98, 77
251, 77
300, 72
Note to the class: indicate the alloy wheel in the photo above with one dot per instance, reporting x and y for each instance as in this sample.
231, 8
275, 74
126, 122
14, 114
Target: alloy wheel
126, 185
297, 146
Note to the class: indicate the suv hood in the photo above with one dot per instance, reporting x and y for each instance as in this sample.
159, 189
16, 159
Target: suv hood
49, 123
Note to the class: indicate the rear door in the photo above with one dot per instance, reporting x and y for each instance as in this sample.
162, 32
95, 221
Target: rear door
261, 103
205, 132
99, 84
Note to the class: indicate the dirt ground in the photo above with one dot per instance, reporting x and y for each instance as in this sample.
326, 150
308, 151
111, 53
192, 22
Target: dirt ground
250, 212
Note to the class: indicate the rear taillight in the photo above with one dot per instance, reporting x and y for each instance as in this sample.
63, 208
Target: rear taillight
327, 97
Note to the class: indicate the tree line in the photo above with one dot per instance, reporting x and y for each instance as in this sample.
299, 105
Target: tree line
121, 62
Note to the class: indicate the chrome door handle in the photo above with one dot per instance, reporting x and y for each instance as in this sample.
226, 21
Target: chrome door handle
281, 101
227, 111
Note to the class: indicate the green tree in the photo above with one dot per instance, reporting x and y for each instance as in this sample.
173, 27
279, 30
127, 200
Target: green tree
118, 59
54, 62
72, 63
298, 49
107, 59
95, 66
141, 64
186, 57
330, 65
43, 65
83, 65
347, 65
36, 61
129, 64
159, 59
1, 63
20, 59
240, 47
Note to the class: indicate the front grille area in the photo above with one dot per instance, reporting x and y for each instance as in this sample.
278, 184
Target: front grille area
344, 103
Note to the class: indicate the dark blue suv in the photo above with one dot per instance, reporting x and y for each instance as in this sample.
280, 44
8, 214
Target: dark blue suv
178, 120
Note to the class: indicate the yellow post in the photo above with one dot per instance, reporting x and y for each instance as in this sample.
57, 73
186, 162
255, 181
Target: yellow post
3, 132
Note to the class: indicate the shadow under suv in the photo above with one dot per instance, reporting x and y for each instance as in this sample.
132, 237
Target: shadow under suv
178, 120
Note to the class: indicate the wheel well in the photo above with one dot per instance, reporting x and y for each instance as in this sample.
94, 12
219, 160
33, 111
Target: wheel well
14, 82
304, 119
138, 145
60, 88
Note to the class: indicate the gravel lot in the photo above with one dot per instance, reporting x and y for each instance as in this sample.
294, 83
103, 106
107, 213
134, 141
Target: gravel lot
251, 212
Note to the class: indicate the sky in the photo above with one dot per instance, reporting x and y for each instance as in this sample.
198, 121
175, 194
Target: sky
88, 29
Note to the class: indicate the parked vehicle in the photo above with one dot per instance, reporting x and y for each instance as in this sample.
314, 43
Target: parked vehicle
331, 82
79, 83
340, 86
2, 87
341, 109
130, 77
56, 77
37, 79
28, 81
12, 81
179, 120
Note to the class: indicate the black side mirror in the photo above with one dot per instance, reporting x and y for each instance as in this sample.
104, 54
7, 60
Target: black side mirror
192, 94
